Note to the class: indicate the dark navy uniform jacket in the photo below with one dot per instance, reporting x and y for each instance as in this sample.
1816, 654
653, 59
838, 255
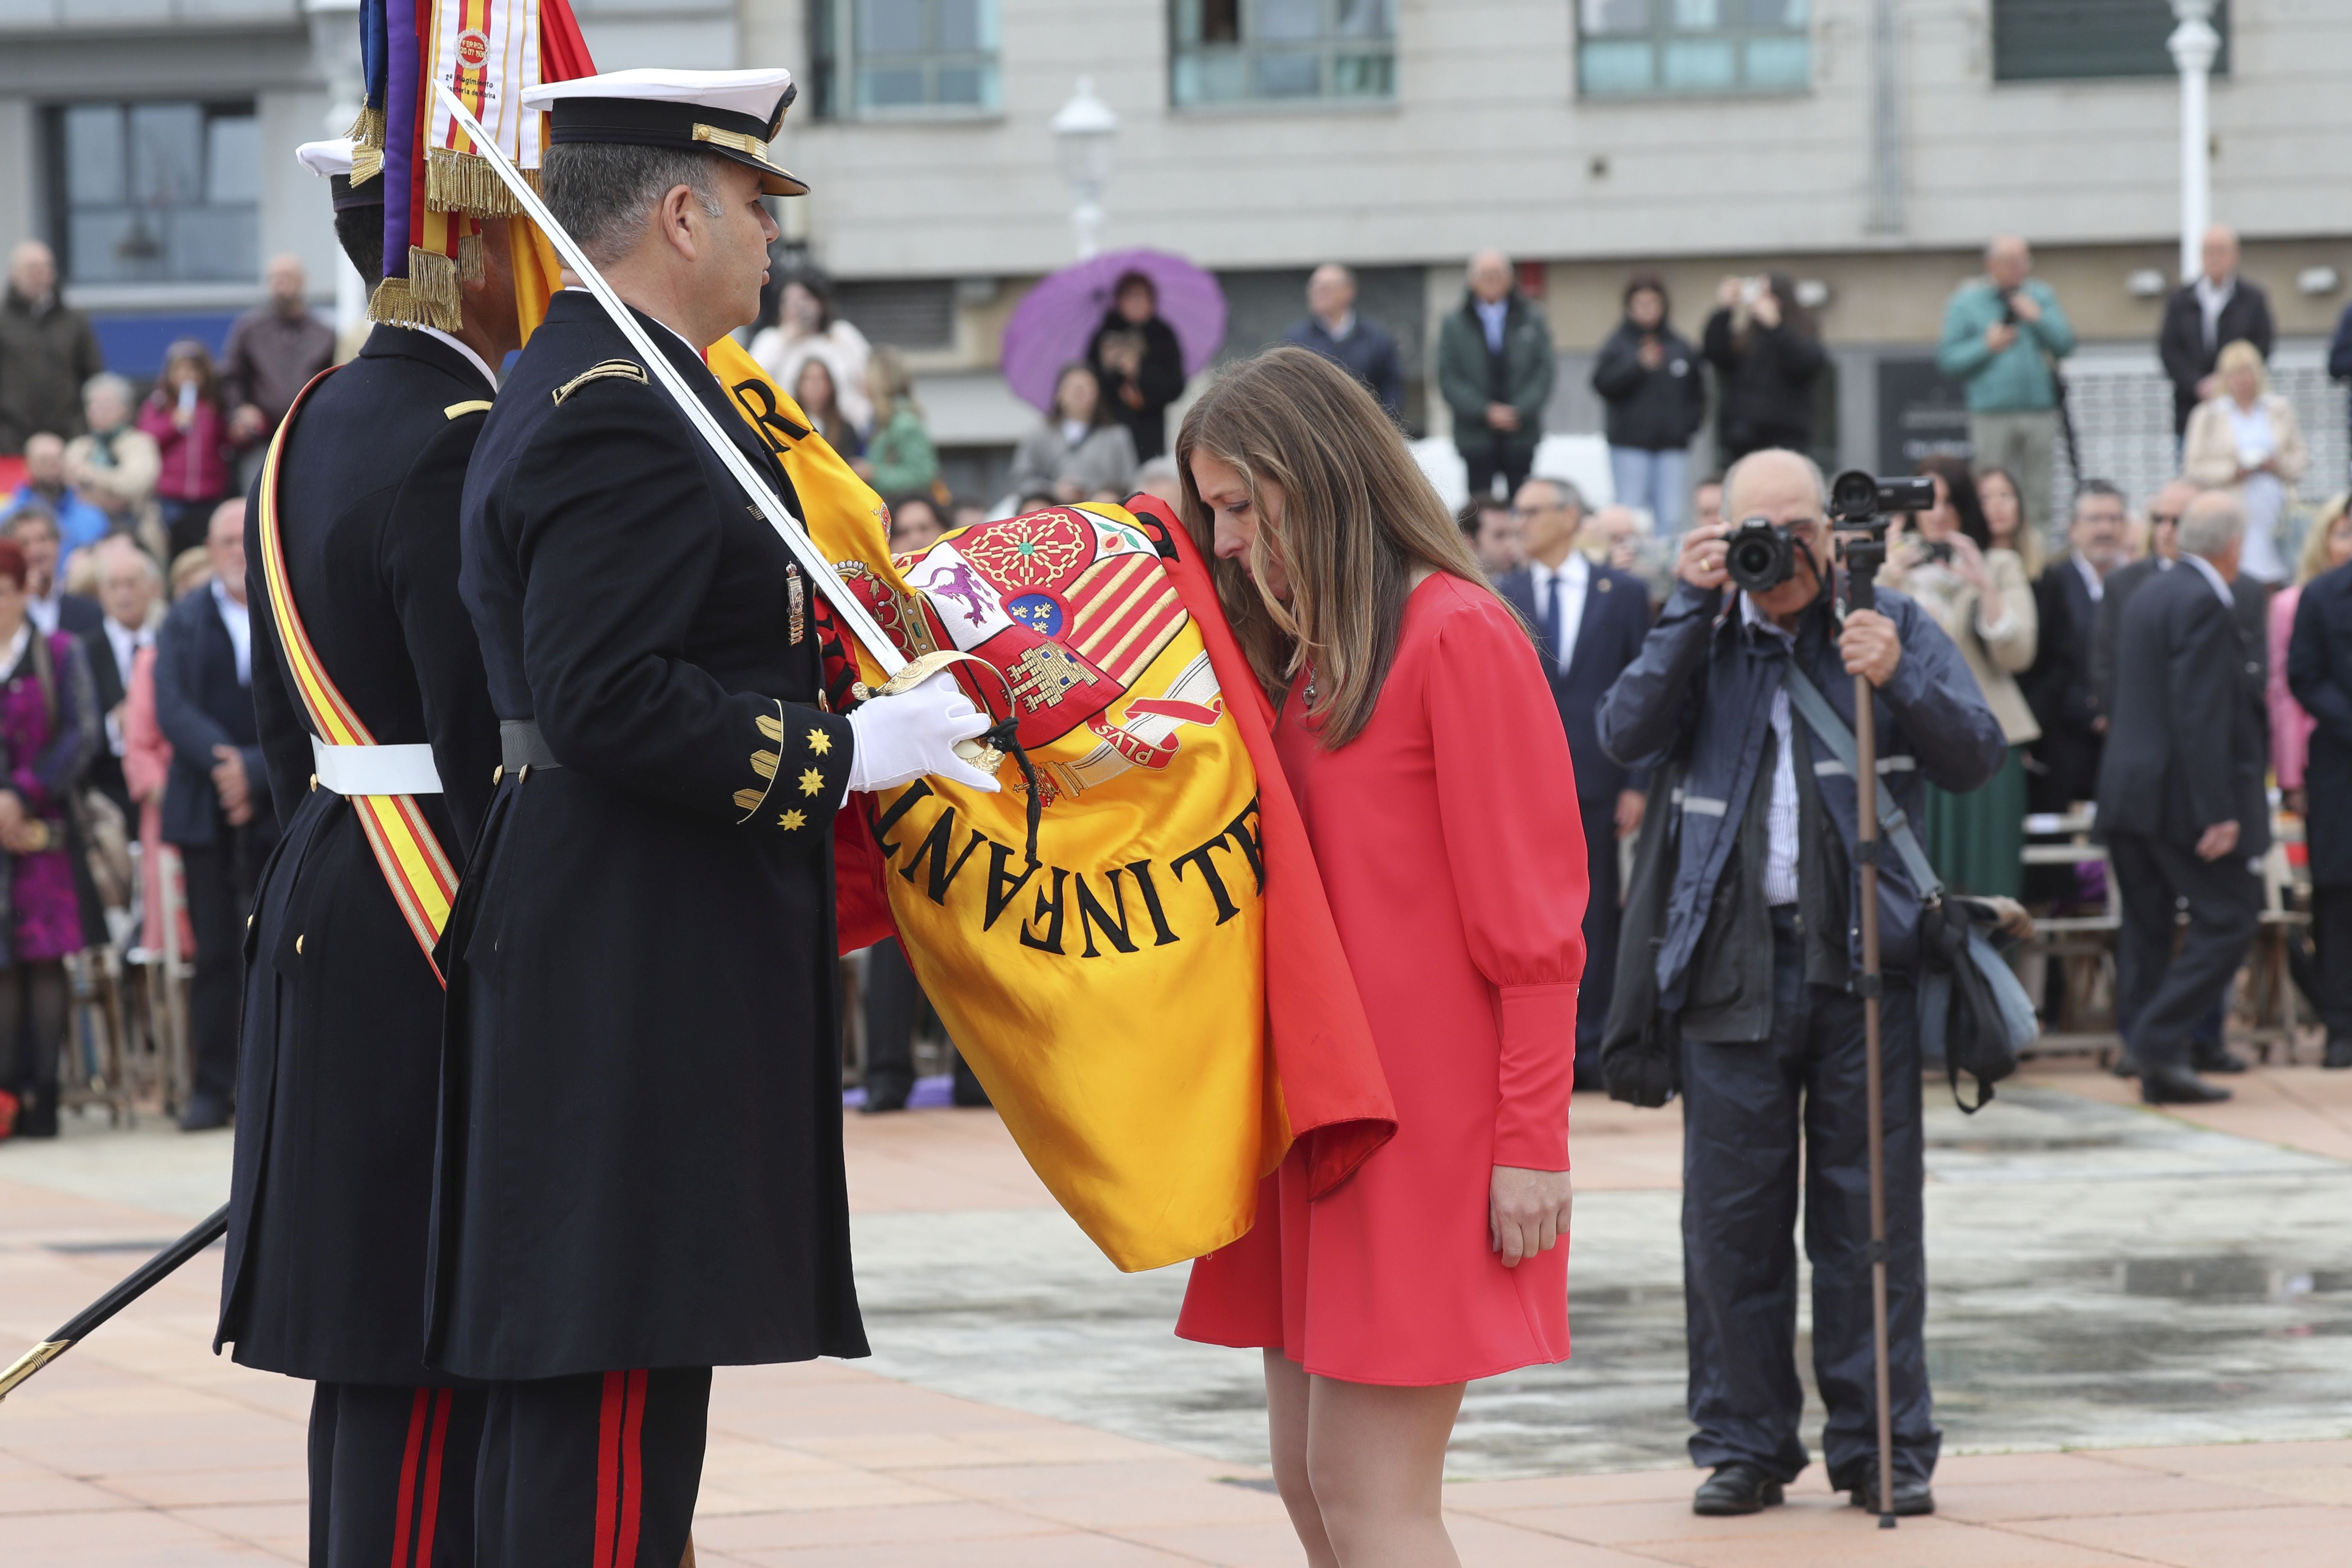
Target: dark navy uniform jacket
338, 1074
640, 1156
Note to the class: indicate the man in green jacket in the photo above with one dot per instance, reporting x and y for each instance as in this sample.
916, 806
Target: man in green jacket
1494, 370
2003, 337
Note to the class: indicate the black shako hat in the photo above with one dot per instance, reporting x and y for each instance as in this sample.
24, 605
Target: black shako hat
735, 114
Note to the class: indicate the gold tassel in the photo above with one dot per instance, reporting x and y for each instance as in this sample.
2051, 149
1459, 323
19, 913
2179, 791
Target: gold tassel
465, 183
427, 298
471, 266
367, 146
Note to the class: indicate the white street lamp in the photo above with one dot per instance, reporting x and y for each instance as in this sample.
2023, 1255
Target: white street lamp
2194, 43
1083, 130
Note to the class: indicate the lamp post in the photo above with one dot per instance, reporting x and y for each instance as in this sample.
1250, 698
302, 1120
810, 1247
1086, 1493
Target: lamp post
1083, 130
2194, 43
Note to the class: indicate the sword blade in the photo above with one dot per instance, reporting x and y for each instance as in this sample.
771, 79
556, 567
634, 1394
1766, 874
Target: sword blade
852, 609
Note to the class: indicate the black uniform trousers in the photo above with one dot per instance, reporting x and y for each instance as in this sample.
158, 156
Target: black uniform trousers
1744, 1106
392, 1475
597, 1470
220, 878
2331, 938
1600, 919
894, 1006
2164, 996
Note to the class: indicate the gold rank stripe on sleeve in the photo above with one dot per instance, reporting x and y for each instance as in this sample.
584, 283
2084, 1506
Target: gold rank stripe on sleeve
415, 867
621, 369
471, 406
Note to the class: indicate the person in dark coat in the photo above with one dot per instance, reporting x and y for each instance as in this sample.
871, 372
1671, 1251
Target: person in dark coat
1136, 357
1331, 328
49, 606
1756, 964
47, 352
1589, 621
217, 804
1649, 377
129, 583
1495, 369
339, 1069
639, 1171
2181, 800
2216, 306
2057, 686
1766, 355
2319, 673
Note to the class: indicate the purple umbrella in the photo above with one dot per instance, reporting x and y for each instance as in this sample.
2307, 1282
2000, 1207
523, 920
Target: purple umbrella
1051, 327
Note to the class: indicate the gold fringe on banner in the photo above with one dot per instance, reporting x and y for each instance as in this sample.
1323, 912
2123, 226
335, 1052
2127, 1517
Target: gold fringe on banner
367, 146
428, 298
472, 266
465, 183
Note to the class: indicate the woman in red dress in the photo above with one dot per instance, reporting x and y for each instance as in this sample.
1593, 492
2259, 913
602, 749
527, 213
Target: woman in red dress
1415, 729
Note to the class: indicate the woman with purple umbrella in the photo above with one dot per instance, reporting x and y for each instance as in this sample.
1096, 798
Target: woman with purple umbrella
1136, 357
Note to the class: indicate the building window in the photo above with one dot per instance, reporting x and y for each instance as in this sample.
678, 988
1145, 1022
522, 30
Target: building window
1651, 47
1242, 51
2057, 40
155, 193
911, 57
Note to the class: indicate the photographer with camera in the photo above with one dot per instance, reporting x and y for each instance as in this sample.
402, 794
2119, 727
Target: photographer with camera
2003, 337
1757, 960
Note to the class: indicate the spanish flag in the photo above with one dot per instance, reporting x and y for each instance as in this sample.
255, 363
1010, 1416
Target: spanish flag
1158, 1005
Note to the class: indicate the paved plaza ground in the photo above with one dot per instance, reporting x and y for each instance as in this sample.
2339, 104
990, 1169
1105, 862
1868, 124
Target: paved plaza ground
2138, 1334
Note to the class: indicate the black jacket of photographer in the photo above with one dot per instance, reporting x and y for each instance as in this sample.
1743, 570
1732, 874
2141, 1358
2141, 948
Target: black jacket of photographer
1702, 690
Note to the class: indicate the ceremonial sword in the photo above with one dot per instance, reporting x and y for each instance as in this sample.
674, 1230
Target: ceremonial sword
114, 1300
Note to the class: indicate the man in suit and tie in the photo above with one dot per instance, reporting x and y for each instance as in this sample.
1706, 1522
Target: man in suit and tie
2058, 687
128, 584
1589, 621
216, 807
2181, 800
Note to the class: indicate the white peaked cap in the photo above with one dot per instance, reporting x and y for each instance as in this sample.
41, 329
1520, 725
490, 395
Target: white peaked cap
326, 159
753, 93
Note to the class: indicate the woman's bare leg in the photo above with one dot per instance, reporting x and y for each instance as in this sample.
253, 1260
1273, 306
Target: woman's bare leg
1286, 1399
1376, 1467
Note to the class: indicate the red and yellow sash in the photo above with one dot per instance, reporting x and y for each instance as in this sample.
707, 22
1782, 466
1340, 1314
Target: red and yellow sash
414, 868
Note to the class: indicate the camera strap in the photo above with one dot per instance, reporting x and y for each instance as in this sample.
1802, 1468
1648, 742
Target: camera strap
1892, 820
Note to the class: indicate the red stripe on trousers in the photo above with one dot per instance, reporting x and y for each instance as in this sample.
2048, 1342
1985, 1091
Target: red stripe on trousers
416, 1410
432, 1504
608, 1467
624, 1550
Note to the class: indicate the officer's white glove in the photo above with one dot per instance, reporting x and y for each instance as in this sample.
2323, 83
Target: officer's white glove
900, 739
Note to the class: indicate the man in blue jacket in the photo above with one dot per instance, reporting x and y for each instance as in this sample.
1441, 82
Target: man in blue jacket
1758, 962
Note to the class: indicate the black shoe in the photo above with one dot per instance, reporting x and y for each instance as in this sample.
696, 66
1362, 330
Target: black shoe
204, 1113
2216, 1058
885, 1095
36, 1112
1912, 1496
2339, 1052
2177, 1086
1735, 1488
2124, 1065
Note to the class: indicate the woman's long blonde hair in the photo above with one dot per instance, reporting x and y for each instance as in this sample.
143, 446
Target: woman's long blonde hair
1357, 517
2315, 539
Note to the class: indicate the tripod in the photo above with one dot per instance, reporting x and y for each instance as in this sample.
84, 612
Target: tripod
1862, 559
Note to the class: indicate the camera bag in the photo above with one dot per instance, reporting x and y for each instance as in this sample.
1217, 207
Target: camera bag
1639, 1045
1972, 1010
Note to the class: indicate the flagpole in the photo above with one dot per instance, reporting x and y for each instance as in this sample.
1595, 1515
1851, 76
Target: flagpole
852, 609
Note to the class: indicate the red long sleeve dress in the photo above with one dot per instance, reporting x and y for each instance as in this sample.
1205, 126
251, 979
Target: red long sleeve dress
1450, 843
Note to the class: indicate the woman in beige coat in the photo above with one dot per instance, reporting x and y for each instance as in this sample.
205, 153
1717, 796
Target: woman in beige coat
2247, 440
1979, 595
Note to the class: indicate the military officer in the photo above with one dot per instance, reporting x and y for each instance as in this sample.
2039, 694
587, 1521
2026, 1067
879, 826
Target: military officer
376, 727
640, 1167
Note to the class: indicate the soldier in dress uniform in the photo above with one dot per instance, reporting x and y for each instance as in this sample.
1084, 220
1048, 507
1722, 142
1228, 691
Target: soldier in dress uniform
376, 727
640, 1165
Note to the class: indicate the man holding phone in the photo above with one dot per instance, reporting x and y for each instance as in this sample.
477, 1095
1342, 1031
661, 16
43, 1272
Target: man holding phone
2003, 337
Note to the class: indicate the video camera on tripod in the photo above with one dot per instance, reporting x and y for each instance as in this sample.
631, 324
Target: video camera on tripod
1761, 555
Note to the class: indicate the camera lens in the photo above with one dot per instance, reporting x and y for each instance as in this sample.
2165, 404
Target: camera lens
1758, 556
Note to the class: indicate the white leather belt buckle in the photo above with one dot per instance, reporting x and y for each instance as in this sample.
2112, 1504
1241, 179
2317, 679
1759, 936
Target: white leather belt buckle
375, 770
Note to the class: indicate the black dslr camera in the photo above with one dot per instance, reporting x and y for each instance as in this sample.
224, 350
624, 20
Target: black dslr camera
1760, 555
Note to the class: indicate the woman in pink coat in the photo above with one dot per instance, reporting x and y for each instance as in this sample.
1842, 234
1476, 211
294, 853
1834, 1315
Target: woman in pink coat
2327, 546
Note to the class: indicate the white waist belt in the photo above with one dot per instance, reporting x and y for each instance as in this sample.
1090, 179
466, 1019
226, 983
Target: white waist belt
375, 770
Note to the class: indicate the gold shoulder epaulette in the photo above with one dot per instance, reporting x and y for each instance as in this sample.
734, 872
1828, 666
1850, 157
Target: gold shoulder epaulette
629, 369
471, 406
